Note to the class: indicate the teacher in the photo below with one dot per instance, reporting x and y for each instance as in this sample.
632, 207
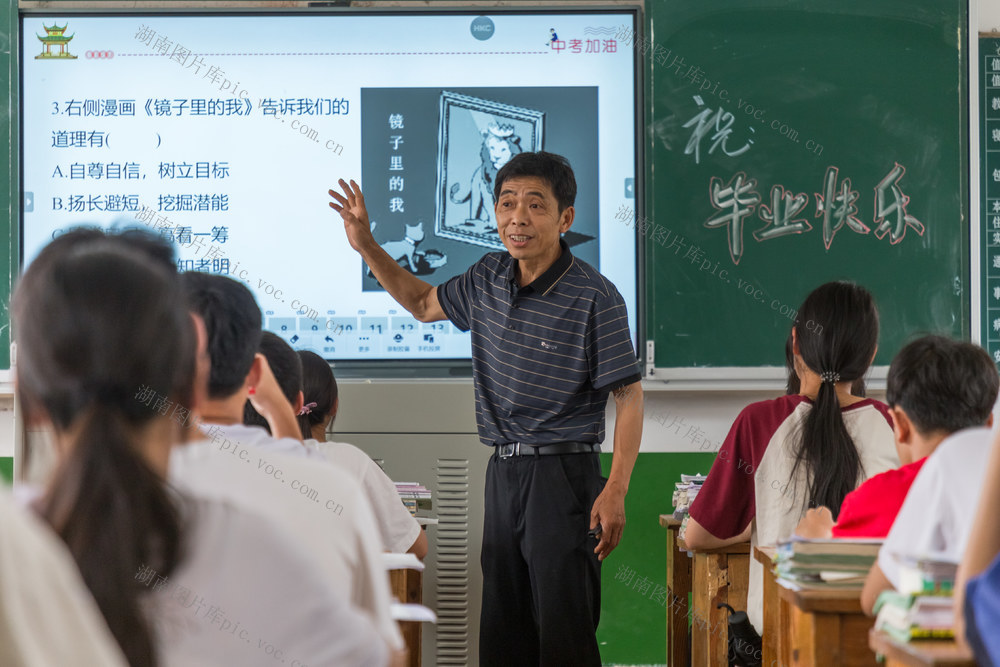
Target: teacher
550, 341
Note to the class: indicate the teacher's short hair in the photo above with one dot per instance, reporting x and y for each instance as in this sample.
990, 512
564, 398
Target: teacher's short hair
552, 168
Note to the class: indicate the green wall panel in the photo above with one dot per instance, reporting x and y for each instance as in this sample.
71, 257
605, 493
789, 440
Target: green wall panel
633, 624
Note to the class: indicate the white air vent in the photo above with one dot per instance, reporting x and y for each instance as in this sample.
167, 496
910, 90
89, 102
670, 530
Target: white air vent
452, 548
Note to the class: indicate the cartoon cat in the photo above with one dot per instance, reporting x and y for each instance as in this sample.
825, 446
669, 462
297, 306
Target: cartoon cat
406, 247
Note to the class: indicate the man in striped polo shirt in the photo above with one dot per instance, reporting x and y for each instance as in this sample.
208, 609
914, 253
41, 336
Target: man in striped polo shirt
550, 341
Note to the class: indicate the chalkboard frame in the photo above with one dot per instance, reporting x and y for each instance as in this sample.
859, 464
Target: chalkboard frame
980, 120
711, 375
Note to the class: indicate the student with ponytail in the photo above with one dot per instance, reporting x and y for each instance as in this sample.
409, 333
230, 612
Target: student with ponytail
400, 531
106, 349
320, 393
803, 450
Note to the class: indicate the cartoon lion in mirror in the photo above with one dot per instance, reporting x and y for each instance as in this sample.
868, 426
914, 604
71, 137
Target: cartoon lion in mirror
499, 145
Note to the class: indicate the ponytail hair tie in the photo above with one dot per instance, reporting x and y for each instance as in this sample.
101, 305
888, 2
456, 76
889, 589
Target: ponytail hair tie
307, 409
830, 376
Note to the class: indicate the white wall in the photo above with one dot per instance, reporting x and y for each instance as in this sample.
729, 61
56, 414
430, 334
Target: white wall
989, 16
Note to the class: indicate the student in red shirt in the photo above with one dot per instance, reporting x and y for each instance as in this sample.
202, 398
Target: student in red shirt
936, 386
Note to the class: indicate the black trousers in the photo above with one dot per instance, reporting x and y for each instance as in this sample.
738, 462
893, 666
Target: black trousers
541, 577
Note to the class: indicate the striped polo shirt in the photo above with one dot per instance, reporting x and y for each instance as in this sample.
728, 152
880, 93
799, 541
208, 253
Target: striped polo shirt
545, 355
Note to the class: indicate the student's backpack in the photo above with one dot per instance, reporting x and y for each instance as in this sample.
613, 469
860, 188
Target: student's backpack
744, 643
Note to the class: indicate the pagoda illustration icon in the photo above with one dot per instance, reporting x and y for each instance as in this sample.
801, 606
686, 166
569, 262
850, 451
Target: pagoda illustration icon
54, 38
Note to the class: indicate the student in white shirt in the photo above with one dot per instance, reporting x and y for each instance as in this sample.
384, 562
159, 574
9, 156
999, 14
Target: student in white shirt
47, 615
936, 518
106, 355
400, 532
238, 373
318, 503
976, 602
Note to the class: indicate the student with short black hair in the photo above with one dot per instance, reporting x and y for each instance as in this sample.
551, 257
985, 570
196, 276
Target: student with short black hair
287, 369
936, 387
786, 455
956, 401
233, 321
279, 478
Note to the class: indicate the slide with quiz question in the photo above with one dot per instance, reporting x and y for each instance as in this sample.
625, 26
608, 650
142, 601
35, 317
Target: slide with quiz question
224, 133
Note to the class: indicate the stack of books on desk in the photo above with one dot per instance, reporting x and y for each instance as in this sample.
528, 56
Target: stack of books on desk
926, 576
685, 491
922, 608
825, 563
415, 496
904, 617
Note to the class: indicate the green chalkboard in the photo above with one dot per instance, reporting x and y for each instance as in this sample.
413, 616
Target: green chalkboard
989, 191
793, 143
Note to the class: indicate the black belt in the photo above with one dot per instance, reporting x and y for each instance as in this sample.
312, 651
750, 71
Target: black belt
510, 449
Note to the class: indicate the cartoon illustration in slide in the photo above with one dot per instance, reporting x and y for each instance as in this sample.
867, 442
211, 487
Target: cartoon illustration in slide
478, 137
499, 145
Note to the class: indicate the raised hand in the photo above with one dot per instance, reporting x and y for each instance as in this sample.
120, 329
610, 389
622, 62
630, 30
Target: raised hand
351, 207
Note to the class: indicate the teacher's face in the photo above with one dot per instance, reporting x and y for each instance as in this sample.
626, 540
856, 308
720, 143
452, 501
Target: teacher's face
529, 220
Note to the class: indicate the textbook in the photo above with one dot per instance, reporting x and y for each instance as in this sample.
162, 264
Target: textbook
830, 548
825, 563
926, 576
685, 491
415, 496
907, 616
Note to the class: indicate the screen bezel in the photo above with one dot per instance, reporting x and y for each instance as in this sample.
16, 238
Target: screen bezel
393, 368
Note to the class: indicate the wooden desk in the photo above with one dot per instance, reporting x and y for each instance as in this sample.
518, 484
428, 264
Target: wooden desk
678, 584
822, 628
920, 653
407, 587
771, 648
719, 575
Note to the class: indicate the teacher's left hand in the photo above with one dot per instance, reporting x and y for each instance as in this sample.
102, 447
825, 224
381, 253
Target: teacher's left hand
609, 512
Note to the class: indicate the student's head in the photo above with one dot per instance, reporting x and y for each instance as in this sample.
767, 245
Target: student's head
287, 371
793, 384
105, 351
233, 324
941, 386
837, 330
552, 169
319, 387
154, 247
835, 336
